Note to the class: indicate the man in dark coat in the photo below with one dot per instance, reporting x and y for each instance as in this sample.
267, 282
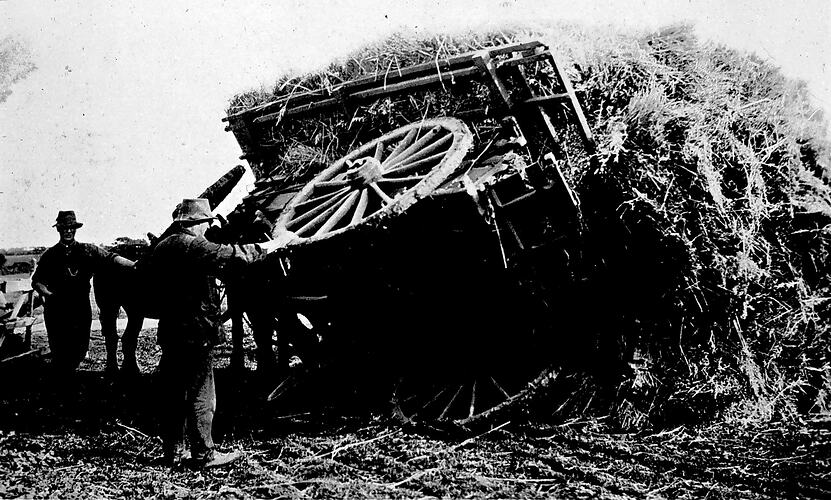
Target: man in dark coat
62, 278
185, 266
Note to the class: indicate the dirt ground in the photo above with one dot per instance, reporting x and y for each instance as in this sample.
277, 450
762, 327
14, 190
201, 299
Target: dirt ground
98, 439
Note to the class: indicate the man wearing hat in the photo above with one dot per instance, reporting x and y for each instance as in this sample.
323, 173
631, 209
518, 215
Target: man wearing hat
185, 265
62, 279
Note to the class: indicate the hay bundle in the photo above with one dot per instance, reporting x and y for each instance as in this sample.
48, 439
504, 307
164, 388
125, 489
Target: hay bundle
706, 226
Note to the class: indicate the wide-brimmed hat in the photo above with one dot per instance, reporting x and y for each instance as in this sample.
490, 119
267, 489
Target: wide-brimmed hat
66, 218
192, 211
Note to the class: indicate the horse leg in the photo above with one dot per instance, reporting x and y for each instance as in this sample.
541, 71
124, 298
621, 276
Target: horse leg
237, 336
129, 342
262, 322
108, 314
235, 306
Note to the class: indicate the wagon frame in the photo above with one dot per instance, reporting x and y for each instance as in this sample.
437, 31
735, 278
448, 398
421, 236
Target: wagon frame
531, 121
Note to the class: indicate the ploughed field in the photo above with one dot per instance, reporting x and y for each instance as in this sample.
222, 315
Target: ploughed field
95, 438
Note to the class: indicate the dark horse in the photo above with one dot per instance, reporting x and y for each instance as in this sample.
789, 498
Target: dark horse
127, 288
246, 295
116, 289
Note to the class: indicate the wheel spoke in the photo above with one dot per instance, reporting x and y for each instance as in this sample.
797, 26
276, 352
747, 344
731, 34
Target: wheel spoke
338, 215
427, 138
409, 167
312, 224
402, 145
395, 181
314, 201
325, 184
436, 397
315, 211
503, 391
472, 400
374, 179
452, 400
384, 197
361, 208
418, 155
379, 151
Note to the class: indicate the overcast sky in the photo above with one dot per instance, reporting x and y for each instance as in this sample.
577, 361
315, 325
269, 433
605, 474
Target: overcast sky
121, 118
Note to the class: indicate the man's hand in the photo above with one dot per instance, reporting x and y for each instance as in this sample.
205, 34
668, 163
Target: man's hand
281, 239
41, 289
121, 261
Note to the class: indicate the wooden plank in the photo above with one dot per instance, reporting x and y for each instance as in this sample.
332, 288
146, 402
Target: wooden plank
499, 203
486, 65
413, 84
270, 106
521, 60
538, 101
270, 181
399, 74
563, 183
24, 321
18, 304
279, 202
380, 91
375, 92
584, 129
302, 108
21, 355
347, 89
243, 135
545, 99
519, 47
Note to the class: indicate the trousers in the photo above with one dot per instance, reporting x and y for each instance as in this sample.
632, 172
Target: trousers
68, 322
189, 400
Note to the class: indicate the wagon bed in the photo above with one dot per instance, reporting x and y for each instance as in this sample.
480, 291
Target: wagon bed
443, 245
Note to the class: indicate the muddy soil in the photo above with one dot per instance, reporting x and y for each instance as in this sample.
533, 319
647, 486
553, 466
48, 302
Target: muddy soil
94, 438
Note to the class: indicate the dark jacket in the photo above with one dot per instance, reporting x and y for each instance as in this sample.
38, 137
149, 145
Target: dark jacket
185, 268
67, 269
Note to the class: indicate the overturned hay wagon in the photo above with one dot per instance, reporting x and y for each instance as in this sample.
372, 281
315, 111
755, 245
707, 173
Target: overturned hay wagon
438, 233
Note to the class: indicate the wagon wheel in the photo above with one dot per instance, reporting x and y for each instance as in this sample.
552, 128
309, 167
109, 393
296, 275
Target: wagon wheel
468, 400
382, 178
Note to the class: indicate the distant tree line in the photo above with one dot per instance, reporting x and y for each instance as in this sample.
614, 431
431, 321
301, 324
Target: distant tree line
20, 264
22, 251
25, 266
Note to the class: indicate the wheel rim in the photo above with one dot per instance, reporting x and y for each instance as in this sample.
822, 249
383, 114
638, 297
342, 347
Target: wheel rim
462, 399
382, 178
457, 399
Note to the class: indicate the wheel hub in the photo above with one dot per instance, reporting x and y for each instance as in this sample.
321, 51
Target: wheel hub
364, 171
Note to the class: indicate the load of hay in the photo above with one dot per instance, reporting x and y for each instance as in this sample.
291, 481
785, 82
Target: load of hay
704, 270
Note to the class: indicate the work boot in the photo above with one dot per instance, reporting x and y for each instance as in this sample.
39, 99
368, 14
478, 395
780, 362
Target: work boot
220, 459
